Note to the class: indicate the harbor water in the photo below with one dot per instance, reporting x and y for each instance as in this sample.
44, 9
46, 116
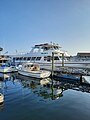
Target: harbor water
27, 99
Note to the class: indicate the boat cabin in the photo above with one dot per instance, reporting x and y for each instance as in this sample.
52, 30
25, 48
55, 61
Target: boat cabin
31, 67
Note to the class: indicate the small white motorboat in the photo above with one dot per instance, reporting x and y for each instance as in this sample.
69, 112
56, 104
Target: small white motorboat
7, 69
5, 65
33, 70
1, 98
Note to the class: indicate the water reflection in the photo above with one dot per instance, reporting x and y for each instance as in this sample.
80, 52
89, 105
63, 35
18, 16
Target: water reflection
45, 88
4, 76
27, 98
8, 76
1, 106
48, 88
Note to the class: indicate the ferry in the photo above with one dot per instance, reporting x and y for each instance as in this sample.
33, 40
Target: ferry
42, 54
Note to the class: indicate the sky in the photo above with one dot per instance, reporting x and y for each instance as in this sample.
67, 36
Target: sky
24, 23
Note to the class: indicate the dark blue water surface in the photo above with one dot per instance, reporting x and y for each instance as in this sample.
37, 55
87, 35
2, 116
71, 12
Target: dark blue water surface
27, 99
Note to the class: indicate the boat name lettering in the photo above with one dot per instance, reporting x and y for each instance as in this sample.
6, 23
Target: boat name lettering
44, 53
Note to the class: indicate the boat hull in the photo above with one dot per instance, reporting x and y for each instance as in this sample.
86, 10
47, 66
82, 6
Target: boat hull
7, 69
66, 78
35, 74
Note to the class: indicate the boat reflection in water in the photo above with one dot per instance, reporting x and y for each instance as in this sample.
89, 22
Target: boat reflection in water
46, 88
3, 86
7, 76
49, 88
27, 98
43, 88
4, 76
2, 107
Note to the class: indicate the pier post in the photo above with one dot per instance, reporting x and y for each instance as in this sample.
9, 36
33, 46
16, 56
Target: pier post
62, 59
53, 61
80, 78
52, 64
52, 88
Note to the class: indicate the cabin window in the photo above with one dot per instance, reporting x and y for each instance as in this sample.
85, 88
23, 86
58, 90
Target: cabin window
25, 66
7, 56
45, 58
24, 58
33, 58
31, 65
60, 56
17, 58
48, 58
46, 48
28, 58
4, 61
38, 58
28, 66
56, 58
2, 56
13, 59
0, 61
21, 58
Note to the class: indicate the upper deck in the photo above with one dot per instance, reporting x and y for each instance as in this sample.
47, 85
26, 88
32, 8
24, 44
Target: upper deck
45, 47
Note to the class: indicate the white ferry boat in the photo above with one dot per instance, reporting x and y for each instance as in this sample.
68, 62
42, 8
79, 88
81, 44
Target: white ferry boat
42, 54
